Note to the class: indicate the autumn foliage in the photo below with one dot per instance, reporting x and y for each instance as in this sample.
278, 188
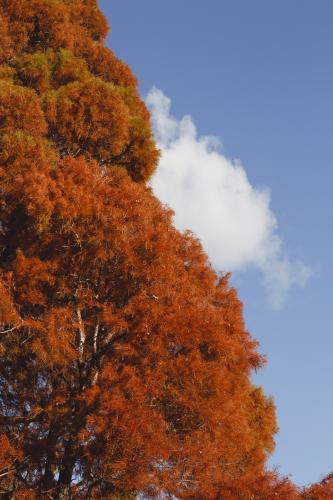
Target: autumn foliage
124, 361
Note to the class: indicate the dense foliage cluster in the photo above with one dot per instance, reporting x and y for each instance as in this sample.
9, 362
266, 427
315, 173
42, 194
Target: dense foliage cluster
124, 362
73, 95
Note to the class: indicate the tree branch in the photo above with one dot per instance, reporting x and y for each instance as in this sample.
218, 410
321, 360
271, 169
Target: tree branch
82, 334
109, 341
96, 337
95, 341
3, 332
12, 420
11, 471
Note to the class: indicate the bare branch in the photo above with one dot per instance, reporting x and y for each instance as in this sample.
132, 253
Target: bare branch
95, 342
95, 378
11, 471
110, 339
3, 332
12, 468
96, 337
82, 334
113, 336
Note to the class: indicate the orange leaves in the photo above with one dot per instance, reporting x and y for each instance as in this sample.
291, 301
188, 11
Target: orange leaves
73, 199
8, 454
20, 110
320, 491
113, 320
88, 116
25, 156
46, 70
8, 313
262, 420
90, 99
87, 14
101, 116
54, 343
33, 70
141, 158
39, 23
6, 48
54, 23
105, 65
31, 276
156, 363
67, 68
130, 366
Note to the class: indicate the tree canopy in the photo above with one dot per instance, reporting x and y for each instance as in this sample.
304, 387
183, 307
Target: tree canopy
124, 360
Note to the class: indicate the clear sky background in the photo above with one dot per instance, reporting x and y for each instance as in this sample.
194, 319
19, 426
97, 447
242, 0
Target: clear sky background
258, 76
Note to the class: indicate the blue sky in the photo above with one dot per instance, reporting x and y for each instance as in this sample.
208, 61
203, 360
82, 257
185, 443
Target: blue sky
259, 77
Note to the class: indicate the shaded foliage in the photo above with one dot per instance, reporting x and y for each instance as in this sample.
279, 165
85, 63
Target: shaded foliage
106, 309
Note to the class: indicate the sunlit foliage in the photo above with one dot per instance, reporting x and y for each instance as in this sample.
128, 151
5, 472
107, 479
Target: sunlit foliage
86, 96
124, 361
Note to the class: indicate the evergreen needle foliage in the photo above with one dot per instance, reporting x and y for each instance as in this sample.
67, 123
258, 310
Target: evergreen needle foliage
124, 362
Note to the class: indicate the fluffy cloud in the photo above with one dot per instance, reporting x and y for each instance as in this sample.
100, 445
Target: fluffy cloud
212, 196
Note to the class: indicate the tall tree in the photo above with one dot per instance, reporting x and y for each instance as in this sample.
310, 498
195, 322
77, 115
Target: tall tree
124, 361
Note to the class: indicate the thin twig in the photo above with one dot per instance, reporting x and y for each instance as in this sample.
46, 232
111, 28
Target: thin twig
3, 332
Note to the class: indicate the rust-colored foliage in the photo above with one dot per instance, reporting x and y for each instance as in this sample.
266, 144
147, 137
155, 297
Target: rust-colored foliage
320, 491
124, 361
130, 353
72, 90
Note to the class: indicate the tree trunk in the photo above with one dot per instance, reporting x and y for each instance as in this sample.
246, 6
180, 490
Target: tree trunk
64, 493
66, 473
48, 481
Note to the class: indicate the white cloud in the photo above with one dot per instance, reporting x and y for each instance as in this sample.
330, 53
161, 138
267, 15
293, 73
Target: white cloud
212, 196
